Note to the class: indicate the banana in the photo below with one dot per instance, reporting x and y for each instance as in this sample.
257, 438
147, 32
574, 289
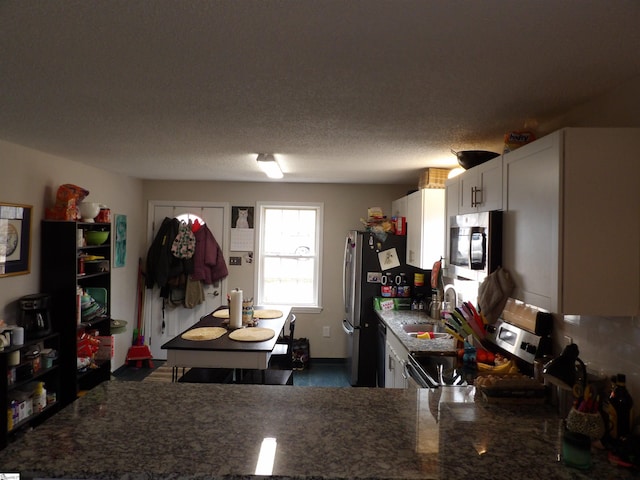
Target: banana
506, 367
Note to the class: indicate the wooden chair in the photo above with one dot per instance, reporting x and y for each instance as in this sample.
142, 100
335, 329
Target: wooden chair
280, 371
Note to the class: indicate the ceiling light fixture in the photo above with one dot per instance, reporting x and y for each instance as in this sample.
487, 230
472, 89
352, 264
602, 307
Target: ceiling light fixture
269, 165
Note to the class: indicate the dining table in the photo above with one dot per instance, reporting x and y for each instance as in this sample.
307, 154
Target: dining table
224, 352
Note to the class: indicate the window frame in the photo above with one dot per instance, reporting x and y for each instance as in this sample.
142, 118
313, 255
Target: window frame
261, 207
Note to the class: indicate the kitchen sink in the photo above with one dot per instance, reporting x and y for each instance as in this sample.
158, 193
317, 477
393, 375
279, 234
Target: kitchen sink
418, 327
435, 335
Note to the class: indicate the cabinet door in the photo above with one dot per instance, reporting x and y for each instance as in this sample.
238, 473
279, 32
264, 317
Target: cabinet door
481, 187
397, 355
399, 207
530, 222
601, 229
468, 182
425, 227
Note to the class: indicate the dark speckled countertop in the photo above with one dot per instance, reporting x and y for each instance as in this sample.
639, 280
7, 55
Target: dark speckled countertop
138, 430
397, 319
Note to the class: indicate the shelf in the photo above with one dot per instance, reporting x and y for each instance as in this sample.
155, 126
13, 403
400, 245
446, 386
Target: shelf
92, 323
48, 409
84, 276
41, 373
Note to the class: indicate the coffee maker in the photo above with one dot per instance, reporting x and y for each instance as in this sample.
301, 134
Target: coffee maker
35, 315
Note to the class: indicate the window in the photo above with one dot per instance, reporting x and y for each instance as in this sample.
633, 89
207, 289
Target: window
289, 257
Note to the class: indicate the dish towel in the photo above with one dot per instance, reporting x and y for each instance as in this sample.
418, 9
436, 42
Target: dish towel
493, 294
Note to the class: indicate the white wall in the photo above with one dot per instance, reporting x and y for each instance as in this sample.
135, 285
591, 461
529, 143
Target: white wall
344, 205
31, 177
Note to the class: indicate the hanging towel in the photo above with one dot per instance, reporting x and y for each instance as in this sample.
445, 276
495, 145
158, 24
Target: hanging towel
493, 294
194, 293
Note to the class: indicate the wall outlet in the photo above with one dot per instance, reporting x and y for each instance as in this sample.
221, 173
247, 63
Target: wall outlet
235, 260
326, 332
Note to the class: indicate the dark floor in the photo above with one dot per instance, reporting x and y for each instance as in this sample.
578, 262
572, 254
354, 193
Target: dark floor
321, 373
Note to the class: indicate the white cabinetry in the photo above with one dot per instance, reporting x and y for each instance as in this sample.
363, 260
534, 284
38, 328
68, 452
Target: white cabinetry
399, 207
396, 358
479, 189
425, 227
571, 230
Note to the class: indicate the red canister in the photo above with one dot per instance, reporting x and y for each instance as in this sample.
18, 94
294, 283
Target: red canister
104, 216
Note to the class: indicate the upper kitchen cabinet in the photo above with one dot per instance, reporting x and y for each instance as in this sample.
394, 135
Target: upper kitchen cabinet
479, 189
571, 233
425, 227
399, 207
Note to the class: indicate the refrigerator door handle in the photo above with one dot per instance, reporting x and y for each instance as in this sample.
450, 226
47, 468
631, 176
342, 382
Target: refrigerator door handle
348, 329
344, 275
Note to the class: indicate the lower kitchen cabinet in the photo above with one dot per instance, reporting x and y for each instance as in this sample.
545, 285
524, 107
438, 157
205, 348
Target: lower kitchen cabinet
396, 358
30, 386
571, 226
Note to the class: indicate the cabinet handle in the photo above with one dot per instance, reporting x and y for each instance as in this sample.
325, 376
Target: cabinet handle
475, 191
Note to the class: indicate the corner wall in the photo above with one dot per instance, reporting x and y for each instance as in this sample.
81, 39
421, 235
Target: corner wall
32, 177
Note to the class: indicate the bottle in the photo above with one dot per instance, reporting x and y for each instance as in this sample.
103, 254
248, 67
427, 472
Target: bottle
39, 397
620, 408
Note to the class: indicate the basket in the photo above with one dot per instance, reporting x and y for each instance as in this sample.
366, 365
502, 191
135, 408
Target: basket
433, 178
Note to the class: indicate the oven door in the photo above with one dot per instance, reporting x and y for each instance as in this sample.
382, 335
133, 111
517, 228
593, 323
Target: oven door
417, 376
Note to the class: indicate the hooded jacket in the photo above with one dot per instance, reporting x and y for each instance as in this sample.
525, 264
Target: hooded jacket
209, 265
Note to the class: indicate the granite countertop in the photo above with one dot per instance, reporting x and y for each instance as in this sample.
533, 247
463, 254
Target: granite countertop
396, 319
138, 430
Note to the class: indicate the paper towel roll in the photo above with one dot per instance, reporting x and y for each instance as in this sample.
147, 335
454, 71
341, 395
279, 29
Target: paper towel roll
17, 336
235, 309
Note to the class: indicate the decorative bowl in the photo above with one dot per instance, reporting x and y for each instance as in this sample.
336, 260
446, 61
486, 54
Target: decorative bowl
89, 211
472, 158
94, 237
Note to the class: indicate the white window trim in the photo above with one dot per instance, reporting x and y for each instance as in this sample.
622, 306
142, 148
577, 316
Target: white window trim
259, 242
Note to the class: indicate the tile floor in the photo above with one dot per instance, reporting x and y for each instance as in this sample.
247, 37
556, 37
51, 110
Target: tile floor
321, 373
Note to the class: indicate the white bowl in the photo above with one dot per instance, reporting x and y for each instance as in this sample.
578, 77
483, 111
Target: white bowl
89, 210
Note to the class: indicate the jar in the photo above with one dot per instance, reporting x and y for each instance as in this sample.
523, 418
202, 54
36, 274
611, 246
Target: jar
105, 215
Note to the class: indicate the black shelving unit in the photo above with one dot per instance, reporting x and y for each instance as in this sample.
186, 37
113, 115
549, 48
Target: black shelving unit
62, 275
18, 379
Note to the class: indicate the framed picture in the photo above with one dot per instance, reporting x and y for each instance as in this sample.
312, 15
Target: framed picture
15, 239
120, 243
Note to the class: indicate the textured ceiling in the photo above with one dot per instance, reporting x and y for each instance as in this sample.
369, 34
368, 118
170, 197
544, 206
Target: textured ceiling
369, 91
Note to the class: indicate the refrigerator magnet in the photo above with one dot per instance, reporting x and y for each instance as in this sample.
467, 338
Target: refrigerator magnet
388, 259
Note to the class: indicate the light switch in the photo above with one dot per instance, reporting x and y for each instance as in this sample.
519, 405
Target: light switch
235, 260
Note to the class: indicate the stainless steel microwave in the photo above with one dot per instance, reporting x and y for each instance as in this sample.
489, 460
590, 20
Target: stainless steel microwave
475, 244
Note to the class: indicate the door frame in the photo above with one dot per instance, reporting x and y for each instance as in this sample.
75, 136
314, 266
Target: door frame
226, 235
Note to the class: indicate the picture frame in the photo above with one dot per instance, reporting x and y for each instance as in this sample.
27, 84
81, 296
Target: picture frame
15, 239
120, 242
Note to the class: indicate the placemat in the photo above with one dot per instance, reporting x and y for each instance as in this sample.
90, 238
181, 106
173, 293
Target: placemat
252, 334
256, 313
204, 333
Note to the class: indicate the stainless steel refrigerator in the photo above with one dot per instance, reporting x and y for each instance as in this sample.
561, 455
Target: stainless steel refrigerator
367, 257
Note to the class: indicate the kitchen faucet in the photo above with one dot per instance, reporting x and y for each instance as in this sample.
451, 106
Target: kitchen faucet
447, 288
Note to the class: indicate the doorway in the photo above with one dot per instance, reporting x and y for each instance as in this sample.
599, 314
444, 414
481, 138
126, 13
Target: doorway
163, 324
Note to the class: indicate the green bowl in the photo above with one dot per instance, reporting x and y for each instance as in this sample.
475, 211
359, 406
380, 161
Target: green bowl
95, 237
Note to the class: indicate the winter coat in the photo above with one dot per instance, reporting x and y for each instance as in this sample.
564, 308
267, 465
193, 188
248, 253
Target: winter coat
161, 264
208, 262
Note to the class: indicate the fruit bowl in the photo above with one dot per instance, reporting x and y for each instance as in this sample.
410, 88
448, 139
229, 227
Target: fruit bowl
95, 237
89, 211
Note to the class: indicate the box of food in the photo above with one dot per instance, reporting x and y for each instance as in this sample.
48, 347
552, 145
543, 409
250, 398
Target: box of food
395, 303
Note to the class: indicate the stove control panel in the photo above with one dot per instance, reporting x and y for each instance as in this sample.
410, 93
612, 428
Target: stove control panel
515, 340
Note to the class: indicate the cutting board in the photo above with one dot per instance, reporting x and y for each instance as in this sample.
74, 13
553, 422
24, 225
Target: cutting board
252, 334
